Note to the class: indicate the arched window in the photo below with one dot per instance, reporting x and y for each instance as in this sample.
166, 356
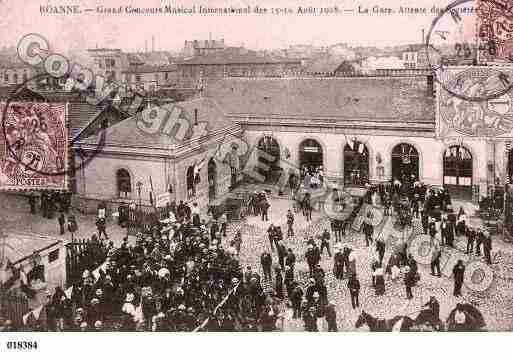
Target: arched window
405, 163
270, 146
124, 183
458, 170
356, 164
310, 153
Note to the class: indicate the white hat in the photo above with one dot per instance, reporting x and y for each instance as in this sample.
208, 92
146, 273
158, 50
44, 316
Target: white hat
98, 324
129, 297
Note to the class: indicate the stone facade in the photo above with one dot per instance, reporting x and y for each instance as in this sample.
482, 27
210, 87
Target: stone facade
430, 150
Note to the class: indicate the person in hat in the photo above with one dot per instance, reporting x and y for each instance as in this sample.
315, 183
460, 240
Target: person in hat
312, 258
338, 263
101, 225
271, 233
266, 262
278, 287
409, 281
296, 298
471, 234
353, 284
435, 260
487, 246
325, 242
433, 306
290, 224
223, 221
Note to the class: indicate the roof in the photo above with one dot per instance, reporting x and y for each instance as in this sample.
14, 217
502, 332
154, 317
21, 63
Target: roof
18, 246
127, 134
231, 57
386, 98
80, 115
7, 92
324, 64
150, 69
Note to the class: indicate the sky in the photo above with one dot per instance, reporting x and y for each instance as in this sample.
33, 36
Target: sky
129, 32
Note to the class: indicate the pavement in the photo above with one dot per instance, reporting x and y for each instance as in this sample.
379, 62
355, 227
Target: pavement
495, 302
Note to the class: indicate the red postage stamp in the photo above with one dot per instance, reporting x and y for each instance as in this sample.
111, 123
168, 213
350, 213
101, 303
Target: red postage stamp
495, 22
34, 140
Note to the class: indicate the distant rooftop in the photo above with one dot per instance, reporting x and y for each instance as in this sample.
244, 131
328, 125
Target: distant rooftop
231, 57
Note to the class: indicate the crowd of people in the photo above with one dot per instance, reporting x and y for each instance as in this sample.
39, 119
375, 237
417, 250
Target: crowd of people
184, 276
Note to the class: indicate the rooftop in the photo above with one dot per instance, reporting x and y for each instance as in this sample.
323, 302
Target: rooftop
18, 246
150, 69
232, 57
345, 98
127, 134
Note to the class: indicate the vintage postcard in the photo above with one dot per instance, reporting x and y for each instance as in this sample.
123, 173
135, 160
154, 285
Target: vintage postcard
269, 166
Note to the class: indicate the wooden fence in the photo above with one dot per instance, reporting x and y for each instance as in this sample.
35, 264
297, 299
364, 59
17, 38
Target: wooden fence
13, 305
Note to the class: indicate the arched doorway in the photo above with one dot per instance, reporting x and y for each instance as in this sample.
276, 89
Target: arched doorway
458, 171
405, 163
356, 164
212, 179
310, 154
270, 146
123, 183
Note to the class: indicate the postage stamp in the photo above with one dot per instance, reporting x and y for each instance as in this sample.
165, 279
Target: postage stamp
495, 21
35, 146
492, 116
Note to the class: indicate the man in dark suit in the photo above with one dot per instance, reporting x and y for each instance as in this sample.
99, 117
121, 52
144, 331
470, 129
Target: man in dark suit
354, 290
368, 230
487, 247
459, 275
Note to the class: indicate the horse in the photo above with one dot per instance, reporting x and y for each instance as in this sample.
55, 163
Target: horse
400, 323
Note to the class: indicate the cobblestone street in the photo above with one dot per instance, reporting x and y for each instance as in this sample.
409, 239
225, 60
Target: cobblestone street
496, 302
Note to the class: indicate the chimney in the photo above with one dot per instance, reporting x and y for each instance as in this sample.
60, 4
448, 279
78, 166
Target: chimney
145, 45
152, 43
195, 117
423, 36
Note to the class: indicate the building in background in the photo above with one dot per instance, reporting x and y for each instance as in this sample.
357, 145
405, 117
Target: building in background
202, 47
109, 63
151, 78
132, 163
360, 129
234, 62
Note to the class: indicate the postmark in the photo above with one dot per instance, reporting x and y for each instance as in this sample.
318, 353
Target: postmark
489, 117
495, 21
453, 40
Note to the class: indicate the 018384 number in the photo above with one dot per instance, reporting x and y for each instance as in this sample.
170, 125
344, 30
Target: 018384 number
22, 345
